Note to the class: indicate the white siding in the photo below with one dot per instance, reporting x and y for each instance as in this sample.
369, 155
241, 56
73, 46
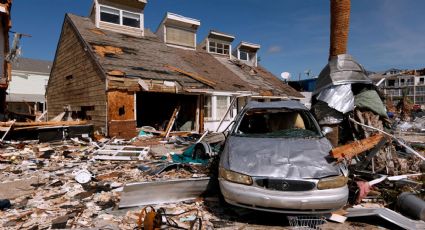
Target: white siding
28, 84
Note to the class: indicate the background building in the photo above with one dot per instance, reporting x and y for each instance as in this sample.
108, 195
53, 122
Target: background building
26, 92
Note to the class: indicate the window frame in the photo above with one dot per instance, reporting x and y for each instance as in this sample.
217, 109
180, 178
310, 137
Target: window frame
240, 55
214, 44
213, 108
121, 16
209, 107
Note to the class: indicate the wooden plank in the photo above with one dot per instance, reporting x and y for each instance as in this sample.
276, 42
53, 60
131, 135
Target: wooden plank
355, 148
7, 131
192, 75
43, 123
171, 122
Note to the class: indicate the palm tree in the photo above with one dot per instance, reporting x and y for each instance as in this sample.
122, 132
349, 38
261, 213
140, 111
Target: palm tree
340, 25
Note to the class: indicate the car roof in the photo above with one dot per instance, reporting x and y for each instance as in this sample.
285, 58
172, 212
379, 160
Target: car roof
288, 104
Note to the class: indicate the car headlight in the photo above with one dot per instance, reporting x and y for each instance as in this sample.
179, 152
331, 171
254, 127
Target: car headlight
235, 177
332, 182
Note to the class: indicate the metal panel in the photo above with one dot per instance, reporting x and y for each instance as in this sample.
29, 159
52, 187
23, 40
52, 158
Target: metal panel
160, 192
341, 69
388, 215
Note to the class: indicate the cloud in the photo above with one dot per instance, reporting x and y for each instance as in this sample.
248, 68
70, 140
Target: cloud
274, 49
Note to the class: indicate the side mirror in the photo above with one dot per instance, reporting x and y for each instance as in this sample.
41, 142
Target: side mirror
326, 130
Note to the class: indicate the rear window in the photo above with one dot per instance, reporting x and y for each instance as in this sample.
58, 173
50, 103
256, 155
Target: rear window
277, 123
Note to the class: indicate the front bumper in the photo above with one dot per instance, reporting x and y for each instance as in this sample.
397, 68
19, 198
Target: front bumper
306, 202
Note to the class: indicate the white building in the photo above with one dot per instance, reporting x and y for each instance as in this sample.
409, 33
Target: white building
26, 92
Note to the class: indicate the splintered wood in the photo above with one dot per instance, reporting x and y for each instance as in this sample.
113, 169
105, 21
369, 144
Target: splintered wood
105, 50
348, 151
192, 75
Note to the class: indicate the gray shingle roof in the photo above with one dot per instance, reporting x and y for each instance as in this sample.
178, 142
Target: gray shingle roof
32, 65
148, 57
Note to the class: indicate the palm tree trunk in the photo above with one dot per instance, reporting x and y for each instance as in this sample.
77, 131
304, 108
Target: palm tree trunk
340, 25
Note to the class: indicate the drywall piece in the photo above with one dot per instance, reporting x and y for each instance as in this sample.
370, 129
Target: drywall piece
388, 215
159, 192
121, 153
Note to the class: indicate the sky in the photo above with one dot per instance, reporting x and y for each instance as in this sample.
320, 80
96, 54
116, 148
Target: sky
293, 34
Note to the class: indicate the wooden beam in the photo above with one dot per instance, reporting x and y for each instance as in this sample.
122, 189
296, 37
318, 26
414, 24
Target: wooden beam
192, 75
171, 122
44, 123
355, 148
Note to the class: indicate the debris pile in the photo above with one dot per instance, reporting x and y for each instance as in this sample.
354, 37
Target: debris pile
381, 162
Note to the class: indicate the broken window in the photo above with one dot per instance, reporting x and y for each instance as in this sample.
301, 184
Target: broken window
130, 19
277, 123
391, 82
109, 15
421, 80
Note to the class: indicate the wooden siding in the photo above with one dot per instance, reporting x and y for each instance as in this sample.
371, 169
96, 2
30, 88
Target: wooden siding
75, 79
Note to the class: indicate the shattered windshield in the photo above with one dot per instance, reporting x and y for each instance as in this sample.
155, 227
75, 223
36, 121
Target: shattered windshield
277, 123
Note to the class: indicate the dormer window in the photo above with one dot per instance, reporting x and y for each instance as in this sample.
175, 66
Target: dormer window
130, 19
178, 31
109, 15
219, 48
119, 17
247, 52
217, 43
243, 56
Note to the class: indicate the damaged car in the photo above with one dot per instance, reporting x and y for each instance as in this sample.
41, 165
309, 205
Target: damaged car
276, 159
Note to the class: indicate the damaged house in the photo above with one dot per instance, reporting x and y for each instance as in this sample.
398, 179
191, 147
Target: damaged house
5, 66
111, 70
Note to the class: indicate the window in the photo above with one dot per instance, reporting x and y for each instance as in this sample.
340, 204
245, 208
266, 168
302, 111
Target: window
109, 15
277, 123
220, 48
130, 19
421, 80
222, 106
208, 108
391, 82
243, 55
119, 17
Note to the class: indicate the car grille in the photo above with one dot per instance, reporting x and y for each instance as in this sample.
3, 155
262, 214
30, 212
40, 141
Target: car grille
285, 185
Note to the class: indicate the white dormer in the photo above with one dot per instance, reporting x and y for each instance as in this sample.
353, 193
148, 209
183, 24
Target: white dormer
178, 31
247, 53
123, 16
218, 43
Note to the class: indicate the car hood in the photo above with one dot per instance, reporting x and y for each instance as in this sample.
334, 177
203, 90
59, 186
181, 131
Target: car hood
294, 158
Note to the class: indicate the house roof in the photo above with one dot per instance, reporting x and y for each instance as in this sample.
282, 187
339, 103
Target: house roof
32, 65
148, 58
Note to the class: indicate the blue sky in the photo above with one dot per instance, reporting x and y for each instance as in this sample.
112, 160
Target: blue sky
294, 34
